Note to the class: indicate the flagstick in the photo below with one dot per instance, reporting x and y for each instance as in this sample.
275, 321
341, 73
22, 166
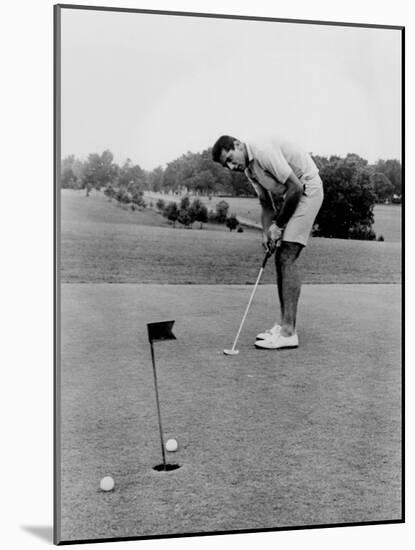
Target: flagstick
158, 404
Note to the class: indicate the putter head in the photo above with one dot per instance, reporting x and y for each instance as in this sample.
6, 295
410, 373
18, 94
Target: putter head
230, 351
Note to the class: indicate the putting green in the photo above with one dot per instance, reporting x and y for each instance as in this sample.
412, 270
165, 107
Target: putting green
267, 439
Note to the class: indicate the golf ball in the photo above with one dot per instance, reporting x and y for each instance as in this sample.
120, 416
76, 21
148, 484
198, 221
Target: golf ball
171, 445
107, 483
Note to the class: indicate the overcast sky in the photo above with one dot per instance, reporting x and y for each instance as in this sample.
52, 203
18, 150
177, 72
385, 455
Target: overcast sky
152, 87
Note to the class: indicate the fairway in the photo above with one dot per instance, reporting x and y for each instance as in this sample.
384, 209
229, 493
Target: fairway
266, 439
104, 243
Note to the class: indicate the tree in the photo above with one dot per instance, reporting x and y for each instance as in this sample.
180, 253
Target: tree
383, 187
201, 182
222, 208
109, 191
232, 222
171, 212
122, 196
362, 233
241, 186
200, 212
393, 171
155, 179
131, 177
197, 173
69, 179
176, 173
137, 198
184, 203
192, 215
71, 173
99, 170
187, 214
184, 217
349, 197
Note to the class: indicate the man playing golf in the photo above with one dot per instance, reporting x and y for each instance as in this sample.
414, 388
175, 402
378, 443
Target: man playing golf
290, 192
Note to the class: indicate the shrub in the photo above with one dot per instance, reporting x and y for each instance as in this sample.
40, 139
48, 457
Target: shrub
222, 211
212, 216
362, 233
184, 217
232, 222
122, 196
137, 197
199, 212
160, 205
109, 191
171, 212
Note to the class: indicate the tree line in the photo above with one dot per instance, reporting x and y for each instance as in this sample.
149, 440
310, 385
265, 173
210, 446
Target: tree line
191, 173
352, 185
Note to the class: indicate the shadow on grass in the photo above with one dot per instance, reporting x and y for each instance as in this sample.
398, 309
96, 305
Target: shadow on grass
44, 532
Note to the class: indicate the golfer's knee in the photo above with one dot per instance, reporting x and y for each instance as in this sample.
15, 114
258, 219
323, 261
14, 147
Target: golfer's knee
288, 253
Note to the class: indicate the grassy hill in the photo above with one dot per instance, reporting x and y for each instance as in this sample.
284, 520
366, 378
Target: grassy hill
102, 242
387, 217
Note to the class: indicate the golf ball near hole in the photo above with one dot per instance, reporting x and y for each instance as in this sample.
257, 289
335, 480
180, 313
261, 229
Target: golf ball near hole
107, 483
171, 445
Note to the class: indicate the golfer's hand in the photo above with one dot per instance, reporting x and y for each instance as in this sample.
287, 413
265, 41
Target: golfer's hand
271, 237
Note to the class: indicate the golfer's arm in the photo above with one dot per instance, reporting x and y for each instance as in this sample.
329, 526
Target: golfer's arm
267, 215
291, 199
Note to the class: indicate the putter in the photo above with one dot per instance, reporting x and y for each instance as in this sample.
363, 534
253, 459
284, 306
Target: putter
234, 351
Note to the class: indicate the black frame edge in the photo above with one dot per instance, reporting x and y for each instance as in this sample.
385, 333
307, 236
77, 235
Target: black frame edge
224, 16
56, 267
233, 532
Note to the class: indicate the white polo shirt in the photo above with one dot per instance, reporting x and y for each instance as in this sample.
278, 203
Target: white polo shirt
270, 162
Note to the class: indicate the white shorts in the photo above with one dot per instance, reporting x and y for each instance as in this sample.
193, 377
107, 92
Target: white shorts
301, 223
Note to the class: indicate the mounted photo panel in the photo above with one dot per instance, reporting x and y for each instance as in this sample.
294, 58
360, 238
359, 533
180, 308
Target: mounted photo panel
228, 274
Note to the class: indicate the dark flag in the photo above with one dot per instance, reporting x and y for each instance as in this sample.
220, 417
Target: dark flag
160, 331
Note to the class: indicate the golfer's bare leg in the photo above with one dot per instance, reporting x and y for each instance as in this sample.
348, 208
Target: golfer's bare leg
290, 282
279, 282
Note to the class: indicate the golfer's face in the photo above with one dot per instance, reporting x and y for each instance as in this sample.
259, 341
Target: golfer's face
234, 159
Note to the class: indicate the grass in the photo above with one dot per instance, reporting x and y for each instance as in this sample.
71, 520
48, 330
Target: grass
388, 222
101, 242
266, 439
387, 217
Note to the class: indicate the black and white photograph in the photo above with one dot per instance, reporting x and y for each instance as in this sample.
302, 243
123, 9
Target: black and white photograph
229, 205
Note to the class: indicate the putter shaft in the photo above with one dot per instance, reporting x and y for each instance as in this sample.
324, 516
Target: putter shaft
247, 307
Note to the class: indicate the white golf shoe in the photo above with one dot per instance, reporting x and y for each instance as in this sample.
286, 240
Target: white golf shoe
278, 342
270, 333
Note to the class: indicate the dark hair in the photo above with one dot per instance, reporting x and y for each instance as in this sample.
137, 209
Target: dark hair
224, 143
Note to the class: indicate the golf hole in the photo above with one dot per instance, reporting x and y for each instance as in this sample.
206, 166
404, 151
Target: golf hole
166, 468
